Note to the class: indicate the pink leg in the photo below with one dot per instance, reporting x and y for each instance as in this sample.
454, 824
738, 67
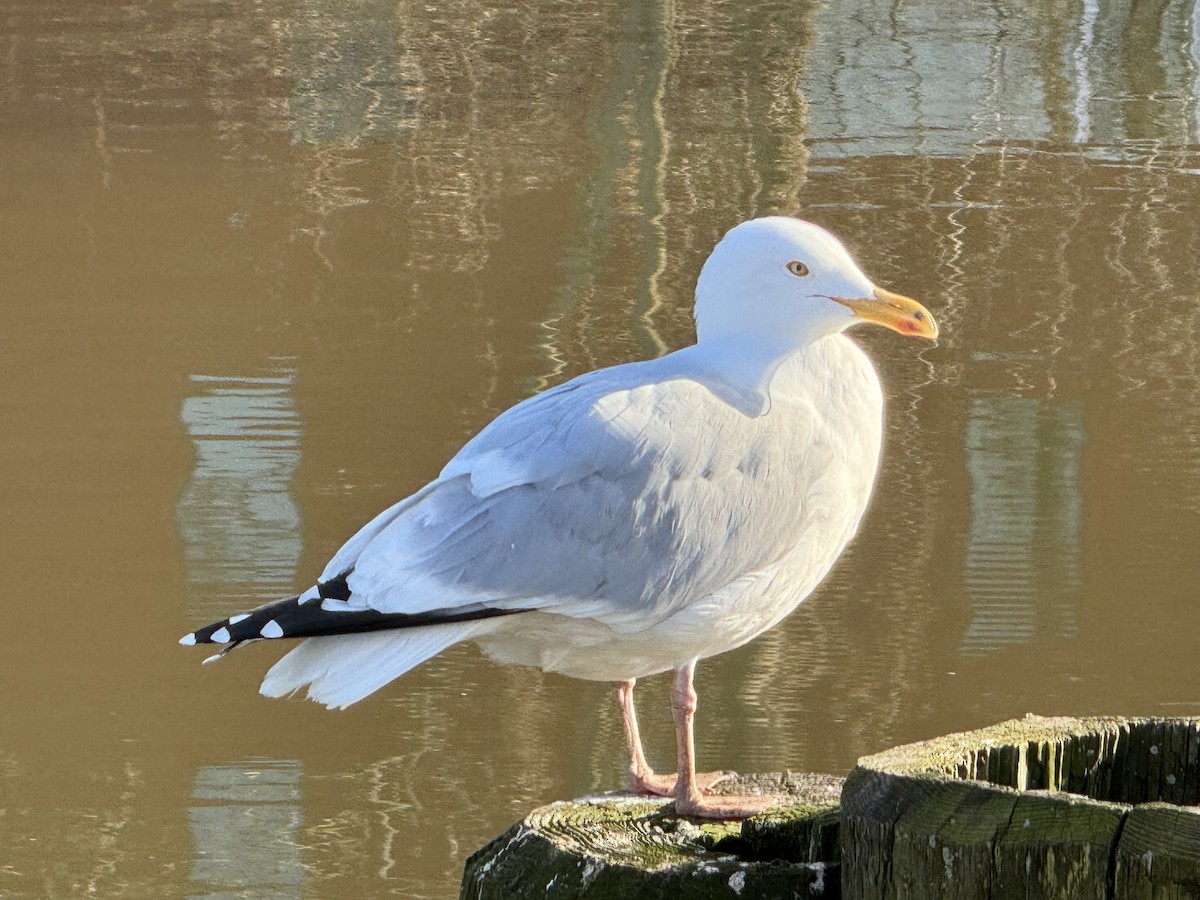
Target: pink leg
690, 799
642, 779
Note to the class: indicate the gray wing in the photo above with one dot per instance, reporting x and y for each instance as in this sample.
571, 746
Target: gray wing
601, 500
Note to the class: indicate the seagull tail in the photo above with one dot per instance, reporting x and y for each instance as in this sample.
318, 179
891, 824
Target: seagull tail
342, 669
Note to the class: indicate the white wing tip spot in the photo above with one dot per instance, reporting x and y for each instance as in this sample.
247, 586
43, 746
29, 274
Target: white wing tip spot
221, 636
272, 630
311, 594
188, 639
233, 620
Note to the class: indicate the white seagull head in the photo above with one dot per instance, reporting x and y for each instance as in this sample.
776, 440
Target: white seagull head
789, 282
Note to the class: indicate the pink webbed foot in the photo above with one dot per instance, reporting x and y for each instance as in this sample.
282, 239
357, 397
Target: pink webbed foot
664, 785
716, 806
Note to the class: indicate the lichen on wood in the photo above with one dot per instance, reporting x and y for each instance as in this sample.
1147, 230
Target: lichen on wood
623, 845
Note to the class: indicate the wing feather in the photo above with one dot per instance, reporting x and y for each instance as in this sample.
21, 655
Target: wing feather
595, 501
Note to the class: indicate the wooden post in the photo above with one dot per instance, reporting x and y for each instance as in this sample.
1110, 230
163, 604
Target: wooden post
628, 846
1030, 808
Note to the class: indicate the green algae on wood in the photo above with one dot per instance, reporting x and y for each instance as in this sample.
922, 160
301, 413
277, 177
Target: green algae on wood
622, 845
1030, 808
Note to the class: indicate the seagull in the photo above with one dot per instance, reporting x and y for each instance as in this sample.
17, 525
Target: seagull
633, 520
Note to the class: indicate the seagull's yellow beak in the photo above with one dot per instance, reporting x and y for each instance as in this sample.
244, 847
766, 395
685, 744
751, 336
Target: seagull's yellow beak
894, 311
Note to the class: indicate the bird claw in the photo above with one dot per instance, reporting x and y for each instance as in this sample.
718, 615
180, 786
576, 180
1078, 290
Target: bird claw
706, 781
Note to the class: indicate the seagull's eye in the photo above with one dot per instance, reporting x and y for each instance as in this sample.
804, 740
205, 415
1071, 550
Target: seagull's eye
797, 268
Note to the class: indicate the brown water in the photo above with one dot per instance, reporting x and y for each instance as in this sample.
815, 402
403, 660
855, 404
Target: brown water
267, 265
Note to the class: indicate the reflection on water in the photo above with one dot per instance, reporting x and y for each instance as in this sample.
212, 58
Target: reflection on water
353, 74
1023, 554
430, 209
966, 74
244, 820
237, 517
629, 125
650, 201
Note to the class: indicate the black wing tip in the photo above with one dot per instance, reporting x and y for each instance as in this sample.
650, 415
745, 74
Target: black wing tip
258, 624
296, 617
271, 620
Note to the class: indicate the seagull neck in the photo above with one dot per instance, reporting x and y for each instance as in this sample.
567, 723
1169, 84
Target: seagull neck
738, 370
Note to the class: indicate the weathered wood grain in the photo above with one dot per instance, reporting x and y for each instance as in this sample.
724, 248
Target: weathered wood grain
627, 846
1030, 808
1158, 855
